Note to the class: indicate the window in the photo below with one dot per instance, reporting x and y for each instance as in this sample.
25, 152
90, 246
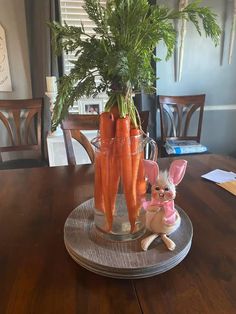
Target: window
72, 13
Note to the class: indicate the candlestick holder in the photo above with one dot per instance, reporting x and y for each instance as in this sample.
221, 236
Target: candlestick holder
52, 98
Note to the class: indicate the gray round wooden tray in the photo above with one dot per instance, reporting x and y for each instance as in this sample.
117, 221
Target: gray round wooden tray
125, 260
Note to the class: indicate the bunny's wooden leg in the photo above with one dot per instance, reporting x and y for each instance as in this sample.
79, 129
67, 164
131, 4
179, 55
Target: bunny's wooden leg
145, 243
168, 242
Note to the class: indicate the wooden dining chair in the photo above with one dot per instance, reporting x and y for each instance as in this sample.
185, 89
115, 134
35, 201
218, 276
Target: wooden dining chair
73, 126
21, 132
181, 118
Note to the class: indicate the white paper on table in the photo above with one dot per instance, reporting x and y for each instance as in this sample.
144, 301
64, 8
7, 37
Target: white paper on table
220, 176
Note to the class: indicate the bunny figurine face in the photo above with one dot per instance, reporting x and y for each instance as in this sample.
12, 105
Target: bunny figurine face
164, 183
164, 189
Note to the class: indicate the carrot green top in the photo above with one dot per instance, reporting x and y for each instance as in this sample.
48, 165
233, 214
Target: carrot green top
120, 52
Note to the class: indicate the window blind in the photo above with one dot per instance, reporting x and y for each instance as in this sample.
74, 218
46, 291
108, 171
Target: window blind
73, 14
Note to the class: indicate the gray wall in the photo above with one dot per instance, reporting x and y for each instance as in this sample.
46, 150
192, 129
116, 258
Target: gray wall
202, 73
12, 18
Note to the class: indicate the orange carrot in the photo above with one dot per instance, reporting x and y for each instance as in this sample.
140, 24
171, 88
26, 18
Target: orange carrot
98, 194
107, 132
115, 111
135, 154
114, 176
115, 164
141, 183
123, 140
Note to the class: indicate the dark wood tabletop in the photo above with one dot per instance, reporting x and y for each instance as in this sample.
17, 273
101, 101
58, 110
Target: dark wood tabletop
37, 275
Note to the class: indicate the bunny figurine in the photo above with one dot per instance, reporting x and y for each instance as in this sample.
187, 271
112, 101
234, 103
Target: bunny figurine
161, 216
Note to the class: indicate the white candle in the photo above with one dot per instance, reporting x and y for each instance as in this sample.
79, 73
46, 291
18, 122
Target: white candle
51, 82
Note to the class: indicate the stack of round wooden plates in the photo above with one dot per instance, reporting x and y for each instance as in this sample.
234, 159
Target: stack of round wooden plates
119, 259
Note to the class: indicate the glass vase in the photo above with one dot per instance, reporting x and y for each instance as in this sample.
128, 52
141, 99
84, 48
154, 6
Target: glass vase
120, 186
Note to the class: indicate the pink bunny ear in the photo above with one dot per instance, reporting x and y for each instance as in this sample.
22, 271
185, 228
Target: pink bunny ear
177, 170
151, 170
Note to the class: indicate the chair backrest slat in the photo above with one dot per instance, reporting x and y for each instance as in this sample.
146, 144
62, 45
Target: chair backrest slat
31, 114
69, 147
8, 128
17, 123
83, 140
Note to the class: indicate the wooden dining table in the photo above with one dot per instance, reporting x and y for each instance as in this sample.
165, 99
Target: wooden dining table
37, 275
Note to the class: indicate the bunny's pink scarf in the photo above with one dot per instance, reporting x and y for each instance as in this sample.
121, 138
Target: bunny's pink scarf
168, 207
